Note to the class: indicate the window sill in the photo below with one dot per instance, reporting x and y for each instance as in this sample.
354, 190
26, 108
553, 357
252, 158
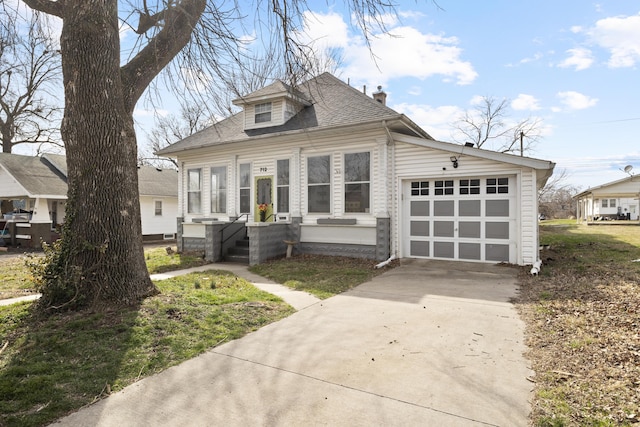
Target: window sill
336, 221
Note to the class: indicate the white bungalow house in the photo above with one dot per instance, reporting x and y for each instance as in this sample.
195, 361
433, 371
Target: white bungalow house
616, 200
338, 172
37, 187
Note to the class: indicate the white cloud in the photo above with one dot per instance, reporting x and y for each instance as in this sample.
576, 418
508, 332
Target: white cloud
477, 100
572, 100
404, 52
434, 120
415, 90
525, 102
580, 58
620, 35
325, 31
535, 57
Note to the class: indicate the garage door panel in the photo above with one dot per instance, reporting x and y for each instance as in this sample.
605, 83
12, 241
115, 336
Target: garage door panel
469, 208
420, 248
470, 251
497, 208
420, 208
420, 228
495, 252
443, 249
497, 230
443, 208
469, 229
443, 228
472, 219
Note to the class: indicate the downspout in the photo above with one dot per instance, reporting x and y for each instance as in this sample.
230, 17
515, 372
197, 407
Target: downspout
393, 174
536, 268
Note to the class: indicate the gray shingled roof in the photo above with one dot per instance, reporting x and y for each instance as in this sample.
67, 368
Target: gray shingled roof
47, 175
35, 175
157, 182
334, 104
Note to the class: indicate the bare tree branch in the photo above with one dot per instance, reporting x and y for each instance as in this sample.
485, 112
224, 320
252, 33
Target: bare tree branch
489, 126
29, 70
55, 8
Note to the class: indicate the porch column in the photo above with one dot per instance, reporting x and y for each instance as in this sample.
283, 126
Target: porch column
41, 211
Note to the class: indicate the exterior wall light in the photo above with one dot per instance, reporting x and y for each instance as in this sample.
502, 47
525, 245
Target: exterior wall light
454, 160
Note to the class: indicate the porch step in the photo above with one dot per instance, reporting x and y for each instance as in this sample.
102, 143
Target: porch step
239, 253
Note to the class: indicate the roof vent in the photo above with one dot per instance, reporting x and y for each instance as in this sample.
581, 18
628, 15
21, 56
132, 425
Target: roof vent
380, 96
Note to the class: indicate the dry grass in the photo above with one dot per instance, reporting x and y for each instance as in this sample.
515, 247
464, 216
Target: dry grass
583, 326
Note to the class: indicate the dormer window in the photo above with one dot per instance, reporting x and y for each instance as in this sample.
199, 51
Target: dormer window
263, 112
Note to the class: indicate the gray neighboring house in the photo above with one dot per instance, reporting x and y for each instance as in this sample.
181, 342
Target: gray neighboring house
38, 188
336, 171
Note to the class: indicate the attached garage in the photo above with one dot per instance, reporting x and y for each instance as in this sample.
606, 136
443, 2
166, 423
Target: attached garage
466, 204
469, 218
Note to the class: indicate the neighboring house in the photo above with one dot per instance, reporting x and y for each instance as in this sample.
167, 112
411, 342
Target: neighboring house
338, 172
614, 200
38, 188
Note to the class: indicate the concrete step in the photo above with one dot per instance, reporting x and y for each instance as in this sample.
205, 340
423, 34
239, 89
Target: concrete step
238, 250
238, 259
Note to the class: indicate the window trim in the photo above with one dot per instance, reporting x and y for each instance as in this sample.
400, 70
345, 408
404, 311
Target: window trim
262, 113
190, 191
327, 184
222, 209
367, 210
240, 187
287, 185
155, 207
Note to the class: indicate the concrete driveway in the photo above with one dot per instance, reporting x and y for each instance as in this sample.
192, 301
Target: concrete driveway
428, 343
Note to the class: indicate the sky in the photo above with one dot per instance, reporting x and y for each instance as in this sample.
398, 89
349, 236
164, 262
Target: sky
572, 64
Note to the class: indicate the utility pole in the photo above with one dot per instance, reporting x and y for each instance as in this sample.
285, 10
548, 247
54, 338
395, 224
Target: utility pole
521, 143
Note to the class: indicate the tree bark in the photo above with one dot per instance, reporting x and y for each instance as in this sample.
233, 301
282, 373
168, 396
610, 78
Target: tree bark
102, 236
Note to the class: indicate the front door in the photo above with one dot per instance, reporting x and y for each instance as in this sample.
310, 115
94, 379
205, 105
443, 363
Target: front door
264, 199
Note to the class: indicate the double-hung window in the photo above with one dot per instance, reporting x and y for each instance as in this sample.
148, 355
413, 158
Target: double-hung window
282, 184
245, 187
194, 191
157, 207
219, 189
263, 112
357, 182
319, 184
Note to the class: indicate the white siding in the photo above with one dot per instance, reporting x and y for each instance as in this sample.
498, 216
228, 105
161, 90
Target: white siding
263, 157
529, 218
277, 115
158, 224
417, 162
9, 187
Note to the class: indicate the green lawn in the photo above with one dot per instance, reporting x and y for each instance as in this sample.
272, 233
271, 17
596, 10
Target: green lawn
51, 366
16, 278
321, 276
583, 317
55, 365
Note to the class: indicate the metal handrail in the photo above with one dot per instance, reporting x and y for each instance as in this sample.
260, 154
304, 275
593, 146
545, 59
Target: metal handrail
223, 240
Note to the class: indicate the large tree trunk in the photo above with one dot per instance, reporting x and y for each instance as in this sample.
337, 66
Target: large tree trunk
6, 206
101, 250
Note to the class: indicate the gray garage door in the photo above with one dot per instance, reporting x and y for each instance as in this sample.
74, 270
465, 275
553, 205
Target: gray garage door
469, 219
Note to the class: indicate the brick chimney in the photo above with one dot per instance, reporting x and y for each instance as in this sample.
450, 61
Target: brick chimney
380, 96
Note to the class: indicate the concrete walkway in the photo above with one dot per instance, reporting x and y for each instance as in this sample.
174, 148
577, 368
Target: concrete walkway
297, 299
424, 344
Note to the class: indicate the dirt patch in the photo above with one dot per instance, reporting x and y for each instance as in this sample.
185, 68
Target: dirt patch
583, 331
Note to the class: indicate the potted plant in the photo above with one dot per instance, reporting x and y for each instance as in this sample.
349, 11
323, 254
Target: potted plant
262, 208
